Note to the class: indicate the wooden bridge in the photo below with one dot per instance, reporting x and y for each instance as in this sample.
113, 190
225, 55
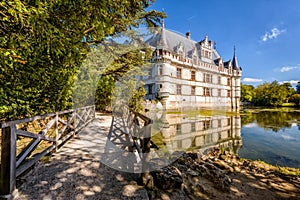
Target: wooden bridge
25, 141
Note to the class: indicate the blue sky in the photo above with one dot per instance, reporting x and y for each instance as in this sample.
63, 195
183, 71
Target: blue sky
266, 33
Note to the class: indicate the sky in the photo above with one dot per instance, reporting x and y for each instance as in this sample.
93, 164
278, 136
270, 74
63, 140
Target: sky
266, 33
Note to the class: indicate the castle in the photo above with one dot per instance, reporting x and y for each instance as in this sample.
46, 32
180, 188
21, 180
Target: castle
190, 74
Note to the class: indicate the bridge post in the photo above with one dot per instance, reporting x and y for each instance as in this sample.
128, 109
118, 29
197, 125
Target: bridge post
8, 163
56, 132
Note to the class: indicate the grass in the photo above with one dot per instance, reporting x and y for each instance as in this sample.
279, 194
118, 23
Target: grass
288, 105
194, 113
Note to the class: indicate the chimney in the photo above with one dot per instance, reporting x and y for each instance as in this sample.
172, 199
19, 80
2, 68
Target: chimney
188, 35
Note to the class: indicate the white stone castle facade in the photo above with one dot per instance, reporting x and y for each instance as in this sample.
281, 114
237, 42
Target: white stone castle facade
190, 74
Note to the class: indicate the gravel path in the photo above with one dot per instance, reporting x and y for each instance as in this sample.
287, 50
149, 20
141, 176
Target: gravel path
75, 171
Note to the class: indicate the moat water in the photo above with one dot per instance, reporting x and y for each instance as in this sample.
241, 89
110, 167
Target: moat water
270, 135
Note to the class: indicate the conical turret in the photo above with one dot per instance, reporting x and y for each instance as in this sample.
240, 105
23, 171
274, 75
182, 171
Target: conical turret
235, 64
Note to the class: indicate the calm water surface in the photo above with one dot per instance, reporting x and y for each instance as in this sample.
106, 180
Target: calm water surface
270, 135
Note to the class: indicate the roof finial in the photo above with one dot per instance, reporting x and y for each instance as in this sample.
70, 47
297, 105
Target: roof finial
234, 50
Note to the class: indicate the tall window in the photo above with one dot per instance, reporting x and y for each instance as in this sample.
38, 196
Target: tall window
207, 78
219, 80
193, 127
178, 129
207, 124
193, 90
193, 75
206, 54
219, 92
178, 89
228, 93
160, 70
207, 92
219, 123
228, 81
178, 72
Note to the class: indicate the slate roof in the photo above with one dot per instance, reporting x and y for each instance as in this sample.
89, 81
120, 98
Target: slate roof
170, 40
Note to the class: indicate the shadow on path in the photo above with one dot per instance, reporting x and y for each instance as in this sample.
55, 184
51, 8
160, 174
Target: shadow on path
77, 171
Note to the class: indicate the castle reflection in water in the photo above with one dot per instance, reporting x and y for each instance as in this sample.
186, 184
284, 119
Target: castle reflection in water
199, 133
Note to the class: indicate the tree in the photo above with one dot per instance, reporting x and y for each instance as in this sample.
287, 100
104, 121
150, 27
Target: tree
298, 88
43, 43
289, 90
295, 99
247, 93
271, 94
262, 94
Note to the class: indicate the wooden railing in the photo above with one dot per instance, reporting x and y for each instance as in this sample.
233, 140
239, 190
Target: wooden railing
22, 144
139, 128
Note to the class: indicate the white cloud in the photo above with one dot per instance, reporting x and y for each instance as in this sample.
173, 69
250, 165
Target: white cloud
275, 32
252, 80
293, 82
289, 68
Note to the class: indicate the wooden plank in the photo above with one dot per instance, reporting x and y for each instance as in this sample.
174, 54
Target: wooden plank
26, 134
48, 126
68, 124
33, 135
82, 115
27, 151
65, 138
19, 121
33, 160
8, 161
24, 120
77, 115
62, 121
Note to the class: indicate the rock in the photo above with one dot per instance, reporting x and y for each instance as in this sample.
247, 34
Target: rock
222, 157
221, 164
167, 178
192, 172
237, 169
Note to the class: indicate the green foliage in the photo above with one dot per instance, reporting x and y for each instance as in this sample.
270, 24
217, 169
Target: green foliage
295, 99
136, 100
118, 83
298, 88
247, 93
272, 94
104, 91
43, 43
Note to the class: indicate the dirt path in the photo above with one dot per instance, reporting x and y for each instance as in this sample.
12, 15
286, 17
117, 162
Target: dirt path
75, 171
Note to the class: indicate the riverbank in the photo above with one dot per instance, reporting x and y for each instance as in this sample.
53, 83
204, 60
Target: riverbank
221, 175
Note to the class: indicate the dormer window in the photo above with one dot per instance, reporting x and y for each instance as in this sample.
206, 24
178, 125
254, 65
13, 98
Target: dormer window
178, 72
160, 70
